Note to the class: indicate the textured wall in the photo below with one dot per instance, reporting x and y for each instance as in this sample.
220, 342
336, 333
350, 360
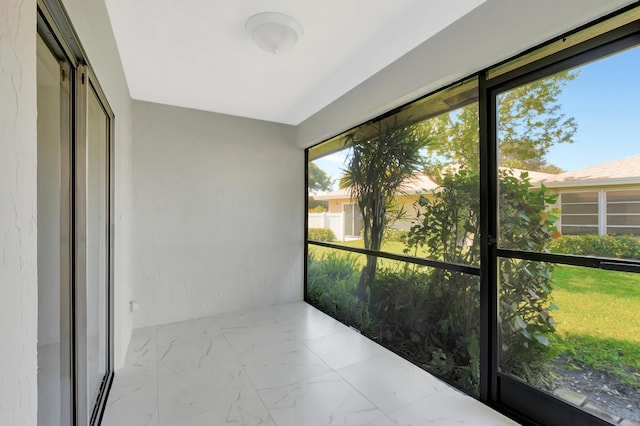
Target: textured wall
18, 233
91, 22
218, 222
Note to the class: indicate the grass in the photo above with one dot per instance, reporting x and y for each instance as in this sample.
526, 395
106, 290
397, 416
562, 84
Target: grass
599, 315
394, 247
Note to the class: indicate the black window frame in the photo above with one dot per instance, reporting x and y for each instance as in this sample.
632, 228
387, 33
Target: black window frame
512, 397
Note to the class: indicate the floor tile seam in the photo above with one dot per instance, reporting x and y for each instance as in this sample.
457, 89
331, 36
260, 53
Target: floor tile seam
214, 407
352, 386
297, 382
333, 333
385, 412
117, 386
226, 338
306, 380
157, 378
426, 375
295, 340
351, 364
254, 310
256, 391
425, 399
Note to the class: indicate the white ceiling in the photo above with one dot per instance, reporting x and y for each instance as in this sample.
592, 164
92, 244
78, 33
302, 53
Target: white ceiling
196, 53
356, 59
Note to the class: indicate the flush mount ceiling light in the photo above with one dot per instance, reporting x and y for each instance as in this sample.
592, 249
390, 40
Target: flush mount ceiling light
274, 32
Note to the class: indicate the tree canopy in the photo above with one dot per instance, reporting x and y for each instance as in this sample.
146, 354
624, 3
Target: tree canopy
318, 179
530, 122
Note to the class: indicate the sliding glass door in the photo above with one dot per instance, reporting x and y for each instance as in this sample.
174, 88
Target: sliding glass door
54, 237
94, 238
75, 231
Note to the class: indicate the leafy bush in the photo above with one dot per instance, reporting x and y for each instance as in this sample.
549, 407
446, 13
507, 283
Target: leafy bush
528, 335
331, 283
621, 247
318, 209
313, 203
430, 316
321, 234
449, 226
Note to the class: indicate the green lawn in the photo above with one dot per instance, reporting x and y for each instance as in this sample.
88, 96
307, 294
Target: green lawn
393, 247
599, 315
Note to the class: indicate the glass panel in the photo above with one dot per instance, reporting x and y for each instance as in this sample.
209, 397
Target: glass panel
580, 197
408, 184
573, 332
631, 207
574, 219
619, 230
579, 230
568, 209
426, 315
623, 196
50, 255
625, 220
97, 246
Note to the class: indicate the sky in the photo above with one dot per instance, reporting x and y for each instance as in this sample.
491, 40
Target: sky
604, 99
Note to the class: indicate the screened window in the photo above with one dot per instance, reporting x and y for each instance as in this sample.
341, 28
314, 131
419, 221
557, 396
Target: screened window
579, 213
623, 212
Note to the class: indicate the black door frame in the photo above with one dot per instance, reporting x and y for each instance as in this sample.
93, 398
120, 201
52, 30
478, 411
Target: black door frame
512, 396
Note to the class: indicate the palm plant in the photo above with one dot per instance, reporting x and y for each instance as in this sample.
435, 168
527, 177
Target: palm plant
377, 167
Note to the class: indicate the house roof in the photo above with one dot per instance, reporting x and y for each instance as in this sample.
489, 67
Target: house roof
534, 176
419, 184
619, 172
626, 170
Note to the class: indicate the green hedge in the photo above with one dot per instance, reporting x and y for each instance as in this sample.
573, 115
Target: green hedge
619, 247
321, 234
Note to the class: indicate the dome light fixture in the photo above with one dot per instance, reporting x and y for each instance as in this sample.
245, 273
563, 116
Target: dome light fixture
274, 32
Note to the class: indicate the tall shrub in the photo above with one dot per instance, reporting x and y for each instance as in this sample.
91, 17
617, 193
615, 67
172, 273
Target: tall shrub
448, 225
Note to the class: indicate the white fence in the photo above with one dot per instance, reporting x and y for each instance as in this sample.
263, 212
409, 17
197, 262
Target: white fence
333, 221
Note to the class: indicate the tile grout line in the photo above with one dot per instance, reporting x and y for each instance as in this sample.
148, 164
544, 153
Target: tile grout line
157, 373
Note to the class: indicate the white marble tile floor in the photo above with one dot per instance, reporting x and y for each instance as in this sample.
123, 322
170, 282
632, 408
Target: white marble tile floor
287, 365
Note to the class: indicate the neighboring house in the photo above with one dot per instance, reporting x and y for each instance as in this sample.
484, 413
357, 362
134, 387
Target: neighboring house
603, 199
343, 216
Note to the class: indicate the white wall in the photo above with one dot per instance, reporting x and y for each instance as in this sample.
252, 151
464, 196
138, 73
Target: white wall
487, 35
91, 22
18, 236
218, 223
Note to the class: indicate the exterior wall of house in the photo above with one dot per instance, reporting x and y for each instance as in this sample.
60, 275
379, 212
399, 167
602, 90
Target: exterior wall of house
408, 203
409, 206
91, 22
217, 223
335, 206
18, 225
